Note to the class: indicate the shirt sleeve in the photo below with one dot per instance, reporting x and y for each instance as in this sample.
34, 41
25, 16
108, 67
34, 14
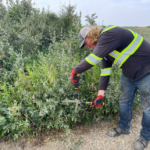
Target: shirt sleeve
105, 74
82, 66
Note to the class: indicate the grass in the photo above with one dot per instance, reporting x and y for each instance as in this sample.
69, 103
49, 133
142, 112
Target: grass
143, 31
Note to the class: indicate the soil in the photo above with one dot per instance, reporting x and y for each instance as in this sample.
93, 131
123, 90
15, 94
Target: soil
87, 137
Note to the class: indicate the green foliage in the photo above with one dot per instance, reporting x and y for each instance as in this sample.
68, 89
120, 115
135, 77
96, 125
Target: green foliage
34, 100
2, 9
68, 17
91, 19
29, 29
17, 9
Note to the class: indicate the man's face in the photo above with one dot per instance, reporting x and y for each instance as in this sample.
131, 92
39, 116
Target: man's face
88, 43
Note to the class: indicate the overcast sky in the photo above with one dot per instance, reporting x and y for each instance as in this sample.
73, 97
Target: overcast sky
113, 12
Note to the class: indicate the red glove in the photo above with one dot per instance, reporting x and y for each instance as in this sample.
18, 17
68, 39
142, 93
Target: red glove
73, 73
98, 101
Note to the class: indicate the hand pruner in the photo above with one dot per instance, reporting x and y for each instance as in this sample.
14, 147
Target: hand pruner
76, 85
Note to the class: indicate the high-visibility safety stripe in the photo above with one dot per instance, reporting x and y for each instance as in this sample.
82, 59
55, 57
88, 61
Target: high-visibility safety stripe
114, 54
106, 72
129, 50
132, 32
93, 59
121, 57
108, 28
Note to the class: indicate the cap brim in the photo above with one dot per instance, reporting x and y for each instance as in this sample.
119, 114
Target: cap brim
82, 44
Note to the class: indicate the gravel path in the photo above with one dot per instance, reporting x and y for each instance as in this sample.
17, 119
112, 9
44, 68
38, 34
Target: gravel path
93, 137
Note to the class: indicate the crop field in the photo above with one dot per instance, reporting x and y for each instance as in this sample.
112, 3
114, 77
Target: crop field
143, 31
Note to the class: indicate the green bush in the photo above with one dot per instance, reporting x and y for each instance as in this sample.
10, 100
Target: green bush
17, 9
34, 101
29, 29
2, 10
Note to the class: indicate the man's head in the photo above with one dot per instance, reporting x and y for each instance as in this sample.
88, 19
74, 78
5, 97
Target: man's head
89, 35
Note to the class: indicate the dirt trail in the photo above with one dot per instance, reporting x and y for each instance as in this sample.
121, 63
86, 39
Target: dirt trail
93, 137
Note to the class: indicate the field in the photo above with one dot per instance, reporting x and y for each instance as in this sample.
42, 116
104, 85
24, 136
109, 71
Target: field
143, 31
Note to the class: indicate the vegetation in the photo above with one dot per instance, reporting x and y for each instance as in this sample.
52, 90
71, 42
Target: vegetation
91, 19
38, 50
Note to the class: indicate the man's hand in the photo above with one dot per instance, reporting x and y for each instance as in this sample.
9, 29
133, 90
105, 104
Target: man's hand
73, 77
98, 101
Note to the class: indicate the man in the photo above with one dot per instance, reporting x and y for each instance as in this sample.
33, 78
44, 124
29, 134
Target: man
128, 50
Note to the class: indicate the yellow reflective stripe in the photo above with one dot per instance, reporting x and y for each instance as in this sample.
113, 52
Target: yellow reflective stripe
132, 32
126, 48
112, 55
132, 52
96, 57
115, 51
90, 62
109, 28
106, 72
93, 59
106, 69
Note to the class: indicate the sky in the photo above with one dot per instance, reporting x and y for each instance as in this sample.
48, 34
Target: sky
109, 12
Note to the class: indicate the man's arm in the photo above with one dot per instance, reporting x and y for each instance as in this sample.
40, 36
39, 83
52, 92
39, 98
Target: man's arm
104, 77
101, 92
